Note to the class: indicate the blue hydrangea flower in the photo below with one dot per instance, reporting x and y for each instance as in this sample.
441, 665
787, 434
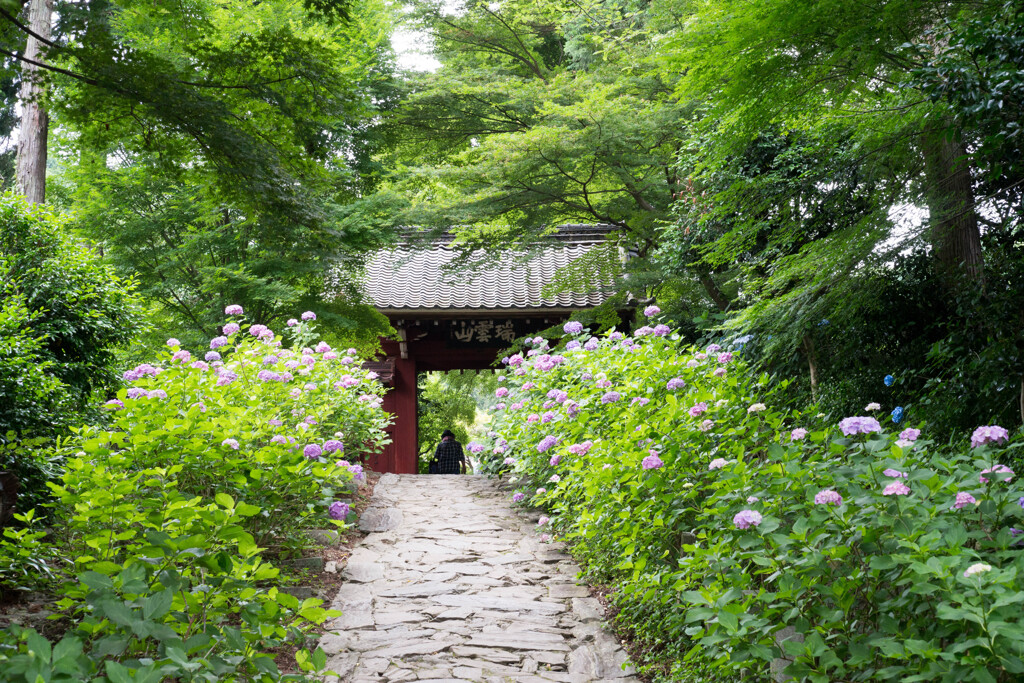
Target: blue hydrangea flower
888, 380
897, 414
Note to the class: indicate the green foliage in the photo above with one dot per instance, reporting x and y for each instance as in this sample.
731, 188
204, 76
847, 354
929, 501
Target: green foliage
169, 508
62, 316
645, 481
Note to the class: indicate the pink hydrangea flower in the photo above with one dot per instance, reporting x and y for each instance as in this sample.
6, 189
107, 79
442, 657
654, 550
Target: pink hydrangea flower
532, 417
555, 459
309, 315
717, 464
1006, 474
744, 519
554, 479
963, 499
501, 392
231, 328
896, 488
828, 497
993, 434
651, 311
890, 472
230, 443
699, 409
518, 497
541, 491
233, 309
543, 520
798, 434
172, 342
725, 357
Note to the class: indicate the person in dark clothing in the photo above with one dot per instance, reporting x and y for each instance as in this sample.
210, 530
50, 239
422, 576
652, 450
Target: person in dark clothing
449, 457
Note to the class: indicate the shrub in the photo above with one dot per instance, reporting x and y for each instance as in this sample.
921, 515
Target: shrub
169, 507
62, 315
723, 518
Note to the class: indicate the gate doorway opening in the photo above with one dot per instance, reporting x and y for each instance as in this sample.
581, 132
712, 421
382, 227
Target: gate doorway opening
456, 400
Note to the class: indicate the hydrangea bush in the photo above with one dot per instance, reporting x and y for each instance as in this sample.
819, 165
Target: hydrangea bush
208, 459
723, 519
250, 419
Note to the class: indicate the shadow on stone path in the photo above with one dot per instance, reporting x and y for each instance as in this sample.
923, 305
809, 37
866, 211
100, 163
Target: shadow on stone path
451, 586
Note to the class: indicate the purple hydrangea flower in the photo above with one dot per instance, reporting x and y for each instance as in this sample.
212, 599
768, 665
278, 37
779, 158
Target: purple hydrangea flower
591, 344
322, 347
230, 443
745, 519
546, 443
277, 438
312, 451
643, 331
233, 309
474, 447
910, 434
652, 461
114, 404
573, 327
989, 434
135, 392
172, 342
896, 474
292, 322
859, 425
572, 345
675, 383
828, 497
332, 445
212, 356
181, 356
661, 330
199, 365
611, 397
518, 497
231, 328
501, 392
338, 510
651, 311
713, 348
699, 409
555, 459
509, 462
798, 434
640, 400
725, 357
309, 315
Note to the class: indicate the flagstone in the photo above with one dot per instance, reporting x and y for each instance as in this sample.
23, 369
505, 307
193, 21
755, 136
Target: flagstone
452, 586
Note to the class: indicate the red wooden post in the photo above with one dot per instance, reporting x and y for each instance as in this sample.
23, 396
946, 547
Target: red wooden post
406, 434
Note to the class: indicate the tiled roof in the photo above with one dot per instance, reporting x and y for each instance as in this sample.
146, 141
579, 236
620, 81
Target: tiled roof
417, 275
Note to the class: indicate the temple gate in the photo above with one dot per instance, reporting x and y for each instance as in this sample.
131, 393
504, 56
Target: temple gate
447, 322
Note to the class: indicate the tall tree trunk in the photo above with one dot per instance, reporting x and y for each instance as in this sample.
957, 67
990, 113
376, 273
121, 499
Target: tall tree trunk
812, 364
955, 237
716, 294
30, 173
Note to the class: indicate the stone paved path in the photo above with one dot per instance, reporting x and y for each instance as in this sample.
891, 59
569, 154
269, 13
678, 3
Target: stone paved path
452, 586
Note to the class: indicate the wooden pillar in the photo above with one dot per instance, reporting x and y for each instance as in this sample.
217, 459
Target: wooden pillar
406, 434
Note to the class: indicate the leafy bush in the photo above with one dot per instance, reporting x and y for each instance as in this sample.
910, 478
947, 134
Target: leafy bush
62, 315
723, 518
169, 508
